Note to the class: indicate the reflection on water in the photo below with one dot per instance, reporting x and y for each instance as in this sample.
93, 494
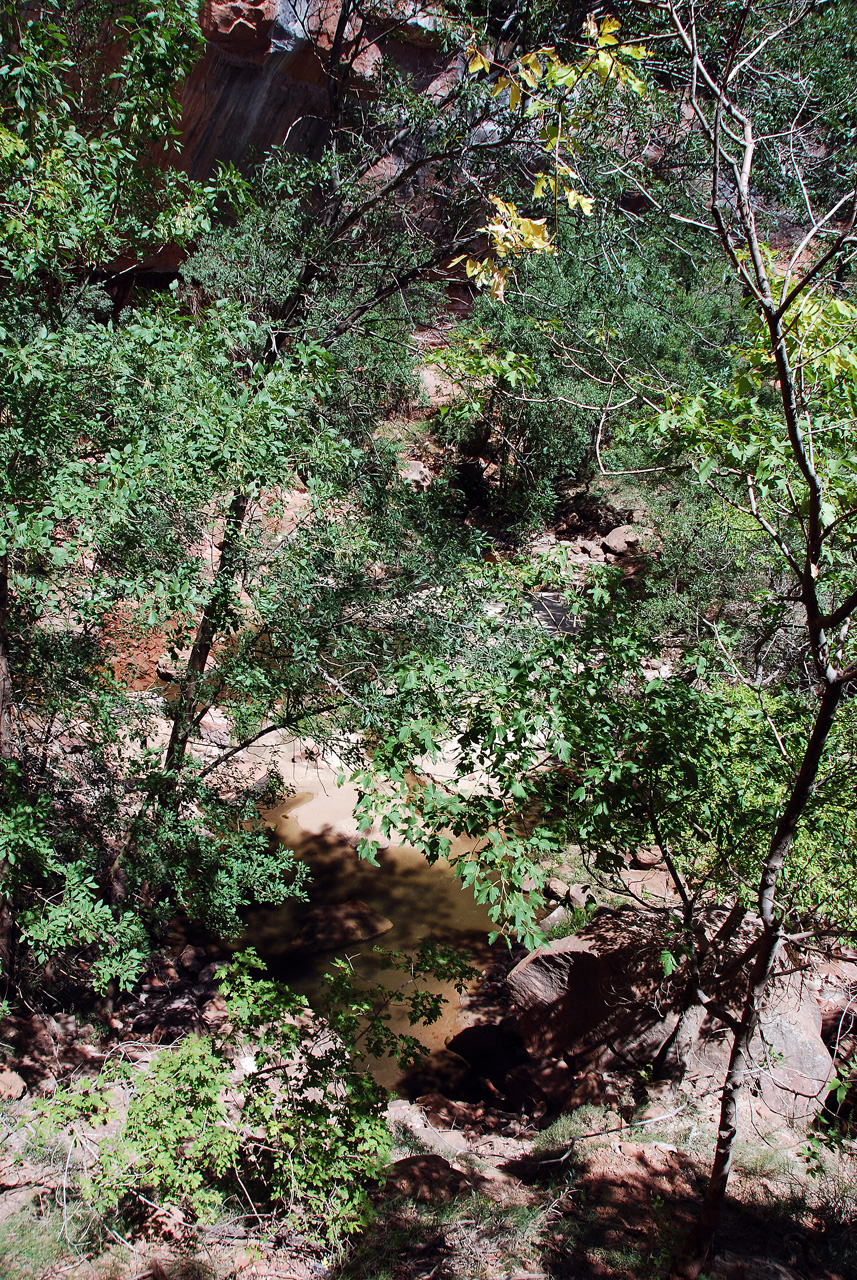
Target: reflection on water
421, 901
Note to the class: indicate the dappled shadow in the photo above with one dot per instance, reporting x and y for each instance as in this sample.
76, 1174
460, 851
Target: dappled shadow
405, 1248
46, 1049
623, 1210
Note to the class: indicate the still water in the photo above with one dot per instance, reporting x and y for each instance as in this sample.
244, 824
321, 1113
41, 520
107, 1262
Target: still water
420, 901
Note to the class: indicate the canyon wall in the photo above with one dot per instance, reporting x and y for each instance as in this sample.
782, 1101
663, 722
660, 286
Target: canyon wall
265, 80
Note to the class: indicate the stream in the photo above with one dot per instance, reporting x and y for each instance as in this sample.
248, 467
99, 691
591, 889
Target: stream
317, 822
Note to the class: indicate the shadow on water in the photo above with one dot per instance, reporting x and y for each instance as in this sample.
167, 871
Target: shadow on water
419, 900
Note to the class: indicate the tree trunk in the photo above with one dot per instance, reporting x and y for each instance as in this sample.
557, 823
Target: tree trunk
696, 1249
185, 710
7, 923
5, 665
698, 1244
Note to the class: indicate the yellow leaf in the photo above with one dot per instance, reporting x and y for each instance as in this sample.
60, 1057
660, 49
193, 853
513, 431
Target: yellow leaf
531, 60
609, 25
602, 40
567, 76
535, 235
637, 51
604, 67
631, 80
478, 62
533, 226
514, 98
497, 89
576, 200
505, 207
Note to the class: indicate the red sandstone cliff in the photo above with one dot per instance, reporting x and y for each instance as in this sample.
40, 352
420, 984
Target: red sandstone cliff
264, 78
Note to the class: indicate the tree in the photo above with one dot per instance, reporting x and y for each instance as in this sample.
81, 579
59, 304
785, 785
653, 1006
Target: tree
88, 103
732, 773
140, 439
794, 463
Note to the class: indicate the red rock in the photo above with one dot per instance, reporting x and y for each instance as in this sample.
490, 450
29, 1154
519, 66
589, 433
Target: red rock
580, 895
242, 29
645, 859
261, 83
620, 541
12, 1086
427, 1179
192, 959
588, 1090
445, 1114
417, 474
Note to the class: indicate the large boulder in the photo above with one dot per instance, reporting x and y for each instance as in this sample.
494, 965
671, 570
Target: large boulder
620, 541
600, 1001
575, 996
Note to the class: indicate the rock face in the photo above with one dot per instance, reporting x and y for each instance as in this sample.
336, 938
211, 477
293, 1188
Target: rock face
598, 1001
262, 80
242, 29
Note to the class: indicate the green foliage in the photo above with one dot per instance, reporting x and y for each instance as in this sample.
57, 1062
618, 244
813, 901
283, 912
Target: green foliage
576, 919
76, 917
106, 538
281, 1107
133, 441
603, 298
739, 430
175, 1139
579, 740
314, 1125
88, 102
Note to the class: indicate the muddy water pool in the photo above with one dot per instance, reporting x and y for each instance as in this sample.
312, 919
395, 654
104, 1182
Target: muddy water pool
317, 822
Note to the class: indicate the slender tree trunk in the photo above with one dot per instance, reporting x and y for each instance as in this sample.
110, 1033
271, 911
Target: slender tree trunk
7, 927
185, 709
5, 664
698, 1244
